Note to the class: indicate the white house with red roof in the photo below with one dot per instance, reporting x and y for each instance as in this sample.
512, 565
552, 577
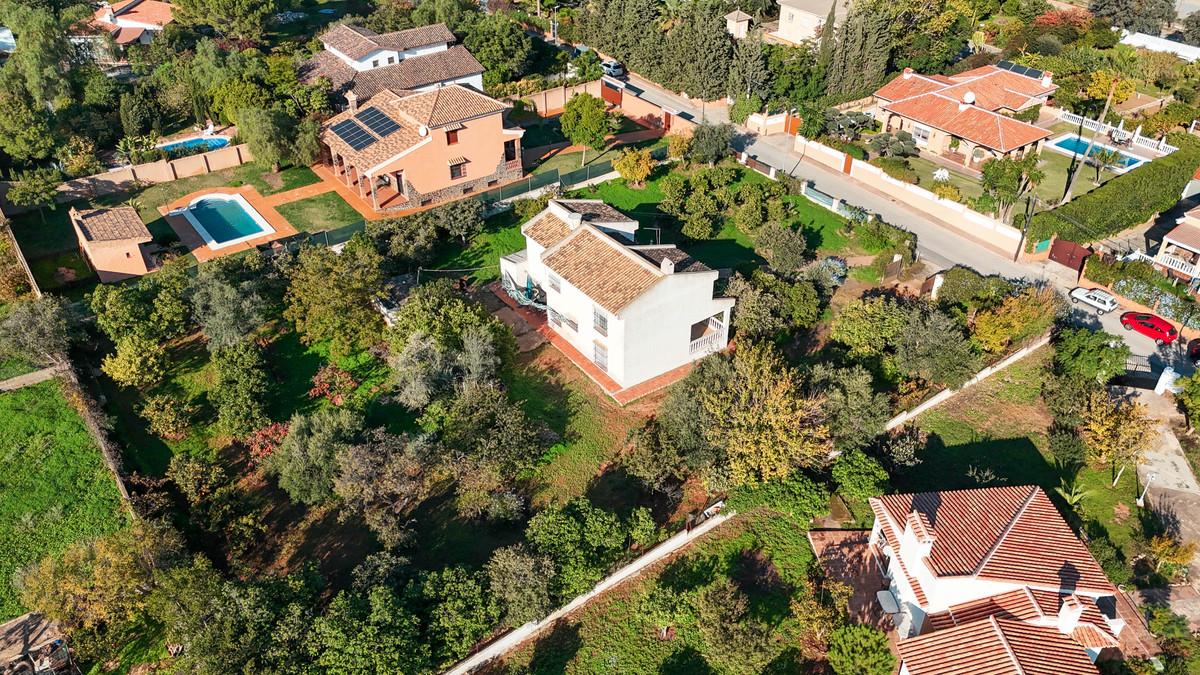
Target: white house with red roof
1178, 255
992, 566
967, 117
125, 23
633, 311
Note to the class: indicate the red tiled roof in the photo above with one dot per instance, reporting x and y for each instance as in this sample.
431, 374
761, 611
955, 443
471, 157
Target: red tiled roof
906, 87
994, 88
1026, 604
357, 42
153, 12
601, 268
414, 72
1010, 533
124, 36
970, 122
995, 646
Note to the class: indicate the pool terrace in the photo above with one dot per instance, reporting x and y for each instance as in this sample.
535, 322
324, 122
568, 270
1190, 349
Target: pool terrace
201, 244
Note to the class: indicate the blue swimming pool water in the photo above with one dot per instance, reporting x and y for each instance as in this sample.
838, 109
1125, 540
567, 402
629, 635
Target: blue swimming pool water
1077, 145
211, 143
225, 219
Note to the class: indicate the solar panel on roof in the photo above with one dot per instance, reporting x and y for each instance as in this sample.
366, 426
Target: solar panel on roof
1019, 69
353, 133
378, 121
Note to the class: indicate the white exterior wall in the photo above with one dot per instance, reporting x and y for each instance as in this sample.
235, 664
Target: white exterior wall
571, 303
796, 25
658, 324
381, 55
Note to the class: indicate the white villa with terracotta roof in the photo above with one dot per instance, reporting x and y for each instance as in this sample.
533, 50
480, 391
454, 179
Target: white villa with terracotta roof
361, 61
404, 149
125, 23
991, 580
966, 117
634, 312
1178, 255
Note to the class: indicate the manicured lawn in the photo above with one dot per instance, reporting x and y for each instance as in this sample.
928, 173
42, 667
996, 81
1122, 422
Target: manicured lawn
574, 161
326, 211
54, 486
61, 270
765, 554
1001, 425
545, 132
823, 229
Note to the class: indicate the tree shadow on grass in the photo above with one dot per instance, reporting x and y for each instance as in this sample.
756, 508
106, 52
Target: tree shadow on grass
1011, 461
556, 650
686, 661
689, 573
293, 365
615, 490
445, 538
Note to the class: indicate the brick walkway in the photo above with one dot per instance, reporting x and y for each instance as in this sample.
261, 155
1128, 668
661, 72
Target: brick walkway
295, 195
623, 396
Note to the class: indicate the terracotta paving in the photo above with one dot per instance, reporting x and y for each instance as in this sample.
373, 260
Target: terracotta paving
623, 396
195, 243
847, 557
297, 194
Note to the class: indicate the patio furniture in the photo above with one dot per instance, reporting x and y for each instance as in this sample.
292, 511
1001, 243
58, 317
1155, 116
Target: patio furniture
887, 602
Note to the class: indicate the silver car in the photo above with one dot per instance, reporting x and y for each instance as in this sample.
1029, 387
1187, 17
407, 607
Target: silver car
612, 69
1102, 300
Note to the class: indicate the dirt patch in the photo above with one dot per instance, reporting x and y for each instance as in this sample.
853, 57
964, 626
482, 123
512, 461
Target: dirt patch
272, 179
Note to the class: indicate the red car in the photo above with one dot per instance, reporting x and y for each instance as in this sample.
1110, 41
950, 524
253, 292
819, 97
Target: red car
1154, 327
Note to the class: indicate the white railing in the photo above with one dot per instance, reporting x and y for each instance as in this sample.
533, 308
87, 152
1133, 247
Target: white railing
1176, 264
1135, 136
712, 342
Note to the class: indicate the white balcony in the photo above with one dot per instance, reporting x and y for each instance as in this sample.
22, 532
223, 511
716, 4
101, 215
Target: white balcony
1177, 264
712, 338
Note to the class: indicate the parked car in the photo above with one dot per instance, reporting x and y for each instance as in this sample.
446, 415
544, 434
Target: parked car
1154, 327
613, 69
579, 50
1193, 351
1102, 300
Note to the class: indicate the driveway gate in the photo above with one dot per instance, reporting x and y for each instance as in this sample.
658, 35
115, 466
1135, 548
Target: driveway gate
1069, 254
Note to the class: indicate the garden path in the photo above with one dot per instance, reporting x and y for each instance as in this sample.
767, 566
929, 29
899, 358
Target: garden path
29, 379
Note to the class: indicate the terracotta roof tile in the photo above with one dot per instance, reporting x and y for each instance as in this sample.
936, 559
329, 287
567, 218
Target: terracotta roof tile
1188, 231
357, 42
902, 87
971, 122
415, 72
1030, 605
452, 103
112, 224
594, 211
1010, 533
995, 646
601, 268
546, 229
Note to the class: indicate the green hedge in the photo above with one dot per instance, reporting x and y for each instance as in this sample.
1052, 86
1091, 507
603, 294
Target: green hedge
1124, 201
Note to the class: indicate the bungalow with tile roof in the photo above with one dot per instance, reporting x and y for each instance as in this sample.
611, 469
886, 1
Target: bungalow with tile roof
1178, 254
966, 118
997, 567
411, 149
634, 311
124, 23
112, 240
360, 61
803, 20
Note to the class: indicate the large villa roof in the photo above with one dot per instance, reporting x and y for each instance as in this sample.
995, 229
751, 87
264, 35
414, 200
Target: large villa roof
357, 42
413, 113
995, 646
967, 105
1012, 534
607, 269
148, 12
413, 72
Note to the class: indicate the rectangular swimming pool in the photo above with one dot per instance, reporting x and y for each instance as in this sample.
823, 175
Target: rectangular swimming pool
224, 220
1072, 144
209, 143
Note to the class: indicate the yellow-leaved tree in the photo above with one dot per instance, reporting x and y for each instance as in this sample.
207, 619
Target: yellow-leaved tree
1116, 432
634, 165
767, 427
1016, 318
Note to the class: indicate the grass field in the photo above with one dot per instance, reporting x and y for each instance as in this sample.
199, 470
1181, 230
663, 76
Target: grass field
1050, 191
766, 555
501, 236
1001, 425
54, 486
573, 161
326, 211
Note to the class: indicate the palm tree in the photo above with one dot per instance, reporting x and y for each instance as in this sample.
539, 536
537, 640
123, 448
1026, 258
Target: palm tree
1122, 64
1104, 158
1071, 492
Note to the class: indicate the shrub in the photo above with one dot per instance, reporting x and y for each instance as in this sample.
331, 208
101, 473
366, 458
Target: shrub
965, 287
1124, 201
167, 417
333, 384
859, 476
898, 168
947, 191
795, 495
1067, 448
678, 145
860, 650
743, 107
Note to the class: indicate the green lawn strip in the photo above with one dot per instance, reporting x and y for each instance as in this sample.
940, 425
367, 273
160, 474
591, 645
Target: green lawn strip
12, 367
326, 211
822, 228
617, 632
501, 236
54, 487
74, 271
1000, 424
1050, 190
574, 161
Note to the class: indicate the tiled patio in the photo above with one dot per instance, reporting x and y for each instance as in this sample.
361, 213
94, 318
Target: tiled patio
195, 243
847, 556
537, 321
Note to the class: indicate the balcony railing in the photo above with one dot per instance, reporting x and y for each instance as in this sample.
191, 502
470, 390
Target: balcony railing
1168, 260
712, 341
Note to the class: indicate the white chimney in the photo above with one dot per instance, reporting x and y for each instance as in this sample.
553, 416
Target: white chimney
908, 73
968, 100
667, 265
917, 540
571, 218
352, 101
1069, 614
1047, 78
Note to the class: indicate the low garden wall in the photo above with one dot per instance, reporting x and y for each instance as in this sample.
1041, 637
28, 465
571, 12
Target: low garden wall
767, 124
988, 231
551, 101
162, 171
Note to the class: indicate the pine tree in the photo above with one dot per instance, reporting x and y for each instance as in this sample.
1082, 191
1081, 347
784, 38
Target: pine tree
748, 73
